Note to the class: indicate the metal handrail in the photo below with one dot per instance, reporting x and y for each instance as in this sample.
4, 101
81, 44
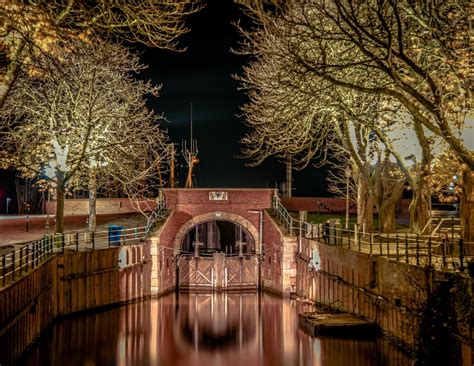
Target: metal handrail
32, 254
418, 249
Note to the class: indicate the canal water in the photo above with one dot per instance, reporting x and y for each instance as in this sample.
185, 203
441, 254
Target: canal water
202, 329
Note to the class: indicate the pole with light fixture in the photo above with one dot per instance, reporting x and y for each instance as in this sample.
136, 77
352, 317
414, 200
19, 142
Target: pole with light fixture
8, 203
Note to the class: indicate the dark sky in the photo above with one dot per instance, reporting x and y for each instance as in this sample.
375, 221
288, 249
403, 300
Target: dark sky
202, 75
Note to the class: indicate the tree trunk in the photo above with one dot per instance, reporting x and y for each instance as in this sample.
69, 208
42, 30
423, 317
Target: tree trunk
92, 221
387, 216
365, 205
60, 206
467, 206
419, 208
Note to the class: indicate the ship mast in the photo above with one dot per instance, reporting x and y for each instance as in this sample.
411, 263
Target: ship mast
189, 153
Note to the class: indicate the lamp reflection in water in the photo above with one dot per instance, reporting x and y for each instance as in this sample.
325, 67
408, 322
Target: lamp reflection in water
203, 329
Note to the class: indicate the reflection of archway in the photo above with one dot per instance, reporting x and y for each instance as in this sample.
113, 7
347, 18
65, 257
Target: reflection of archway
215, 321
218, 236
247, 226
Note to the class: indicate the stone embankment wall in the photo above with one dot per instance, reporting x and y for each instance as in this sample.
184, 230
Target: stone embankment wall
382, 290
68, 283
278, 265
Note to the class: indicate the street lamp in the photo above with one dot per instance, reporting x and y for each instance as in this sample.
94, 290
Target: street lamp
348, 175
8, 203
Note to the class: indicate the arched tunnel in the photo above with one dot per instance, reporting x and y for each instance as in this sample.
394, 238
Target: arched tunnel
220, 236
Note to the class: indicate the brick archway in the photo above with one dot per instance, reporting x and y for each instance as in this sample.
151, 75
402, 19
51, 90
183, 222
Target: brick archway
223, 216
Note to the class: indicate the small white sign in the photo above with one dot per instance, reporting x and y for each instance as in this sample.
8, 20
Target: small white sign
315, 262
217, 196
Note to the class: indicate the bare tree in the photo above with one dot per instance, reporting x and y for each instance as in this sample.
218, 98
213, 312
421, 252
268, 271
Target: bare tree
80, 114
27, 26
416, 53
292, 111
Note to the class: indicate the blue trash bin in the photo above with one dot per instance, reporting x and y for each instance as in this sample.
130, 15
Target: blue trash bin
115, 234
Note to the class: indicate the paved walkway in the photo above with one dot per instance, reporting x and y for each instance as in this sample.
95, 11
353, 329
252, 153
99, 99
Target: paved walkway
17, 229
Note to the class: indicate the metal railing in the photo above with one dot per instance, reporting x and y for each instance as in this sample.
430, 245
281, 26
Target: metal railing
28, 256
157, 214
453, 224
445, 253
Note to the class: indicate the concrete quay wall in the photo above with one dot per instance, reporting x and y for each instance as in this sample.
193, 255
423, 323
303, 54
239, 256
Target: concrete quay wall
69, 283
377, 288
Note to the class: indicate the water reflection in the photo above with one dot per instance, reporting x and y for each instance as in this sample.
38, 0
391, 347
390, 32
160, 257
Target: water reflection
202, 329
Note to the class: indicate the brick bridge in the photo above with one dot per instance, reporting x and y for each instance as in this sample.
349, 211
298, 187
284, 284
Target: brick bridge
222, 239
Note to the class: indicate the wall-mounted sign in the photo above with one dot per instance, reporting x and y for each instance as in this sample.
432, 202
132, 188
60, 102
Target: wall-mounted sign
217, 196
315, 262
122, 258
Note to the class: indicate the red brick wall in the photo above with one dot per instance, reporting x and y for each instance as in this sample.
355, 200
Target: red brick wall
270, 269
317, 204
186, 204
104, 206
329, 205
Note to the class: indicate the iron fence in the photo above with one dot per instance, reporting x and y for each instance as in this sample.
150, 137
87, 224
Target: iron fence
444, 251
28, 256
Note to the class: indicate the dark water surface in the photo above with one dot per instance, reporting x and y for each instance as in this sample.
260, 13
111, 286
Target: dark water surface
202, 329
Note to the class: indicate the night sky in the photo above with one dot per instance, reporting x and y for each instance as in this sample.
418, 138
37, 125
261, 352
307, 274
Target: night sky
203, 75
